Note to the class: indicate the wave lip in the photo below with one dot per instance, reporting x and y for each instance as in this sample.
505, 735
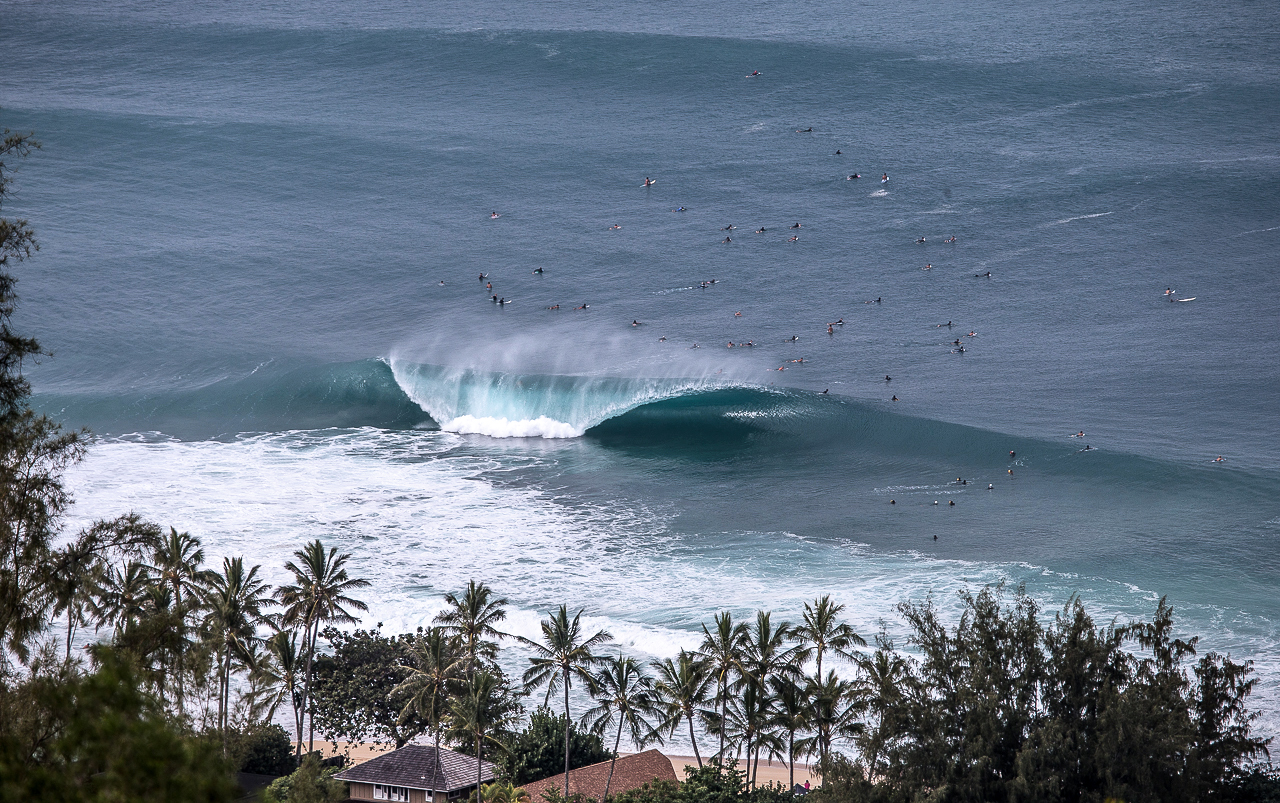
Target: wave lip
510, 405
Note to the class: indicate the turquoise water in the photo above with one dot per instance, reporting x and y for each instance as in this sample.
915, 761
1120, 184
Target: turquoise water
246, 217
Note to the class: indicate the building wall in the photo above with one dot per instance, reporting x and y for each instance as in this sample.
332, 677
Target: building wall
361, 791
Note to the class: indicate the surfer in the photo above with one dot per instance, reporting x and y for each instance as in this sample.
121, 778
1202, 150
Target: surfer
838, 153
1079, 434
794, 238
442, 282
851, 178
957, 342
921, 241
494, 216
808, 130
972, 334
615, 227
537, 270
1012, 454
928, 266
648, 182
830, 330
681, 209
754, 74
760, 230
635, 323
494, 299
884, 178
662, 339
986, 275
730, 227
888, 378
730, 344
1087, 448
952, 240
952, 503
878, 299
895, 398
554, 306
503, 301
797, 225
793, 339
737, 314
483, 276
727, 240
694, 346
751, 344
584, 306
488, 286
839, 321
1219, 459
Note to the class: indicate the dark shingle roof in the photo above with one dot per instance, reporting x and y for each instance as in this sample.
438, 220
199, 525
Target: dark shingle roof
632, 772
416, 767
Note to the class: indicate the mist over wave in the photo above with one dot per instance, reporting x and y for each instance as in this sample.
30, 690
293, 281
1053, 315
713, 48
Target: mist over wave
554, 382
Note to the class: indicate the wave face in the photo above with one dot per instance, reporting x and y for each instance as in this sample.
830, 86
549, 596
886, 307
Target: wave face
273, 398
510, 405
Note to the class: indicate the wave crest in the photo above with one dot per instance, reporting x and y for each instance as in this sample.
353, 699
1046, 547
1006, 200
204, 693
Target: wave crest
508, 405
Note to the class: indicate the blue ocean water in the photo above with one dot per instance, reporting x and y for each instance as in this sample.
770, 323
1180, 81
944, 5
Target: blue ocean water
262, 230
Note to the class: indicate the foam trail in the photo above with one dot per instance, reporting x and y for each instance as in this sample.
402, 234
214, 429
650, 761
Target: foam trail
1077, 217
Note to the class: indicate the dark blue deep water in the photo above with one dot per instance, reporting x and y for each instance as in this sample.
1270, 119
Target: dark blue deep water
262, 229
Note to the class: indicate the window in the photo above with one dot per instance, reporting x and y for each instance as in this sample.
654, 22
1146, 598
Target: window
400, 794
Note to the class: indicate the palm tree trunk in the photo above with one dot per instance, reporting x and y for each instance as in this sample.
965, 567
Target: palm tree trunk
566, 733
791, 760
723, 695
70, 624
479, 764
695, 741
308, 709
617, 741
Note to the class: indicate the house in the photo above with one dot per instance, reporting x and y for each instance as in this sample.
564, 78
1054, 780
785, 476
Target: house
631, 772
416, 774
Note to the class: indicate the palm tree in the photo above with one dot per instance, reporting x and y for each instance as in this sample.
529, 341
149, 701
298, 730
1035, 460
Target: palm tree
791, 715
176, 563
823, 630
484, 707
624, 693
765, 656
119, 594
439, 660
682, 689
72, 570
234, 600
317, 597
281, 675
831, 714
473, 618
722, 651
562, 656
880, 687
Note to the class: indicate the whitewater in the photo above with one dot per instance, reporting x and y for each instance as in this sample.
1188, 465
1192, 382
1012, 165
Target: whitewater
270, 259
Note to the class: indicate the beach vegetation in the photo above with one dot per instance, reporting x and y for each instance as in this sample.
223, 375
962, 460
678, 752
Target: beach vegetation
537, 751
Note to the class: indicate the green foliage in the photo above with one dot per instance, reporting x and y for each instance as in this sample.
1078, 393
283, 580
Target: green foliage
311, 783
354, 689
537, 752
266, 750
99, 737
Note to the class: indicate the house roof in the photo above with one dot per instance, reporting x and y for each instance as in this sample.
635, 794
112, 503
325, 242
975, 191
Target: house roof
417, 767
631, 772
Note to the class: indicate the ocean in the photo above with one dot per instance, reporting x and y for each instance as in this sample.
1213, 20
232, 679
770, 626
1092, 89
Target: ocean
268, 234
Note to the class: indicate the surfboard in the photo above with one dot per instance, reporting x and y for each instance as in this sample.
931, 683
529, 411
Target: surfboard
650, 184
1193, 298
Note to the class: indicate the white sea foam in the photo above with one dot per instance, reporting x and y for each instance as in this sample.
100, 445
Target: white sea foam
424, 512
540, 427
